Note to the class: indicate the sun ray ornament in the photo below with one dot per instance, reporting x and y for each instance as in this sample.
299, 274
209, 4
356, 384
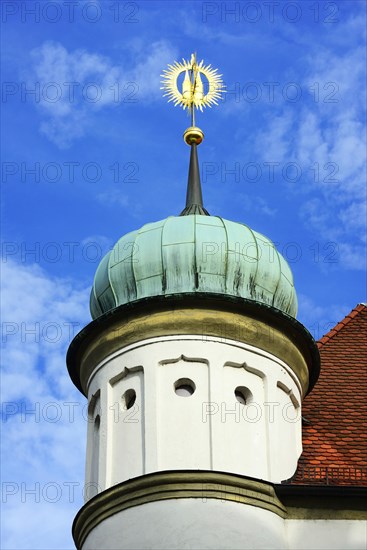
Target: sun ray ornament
195, 94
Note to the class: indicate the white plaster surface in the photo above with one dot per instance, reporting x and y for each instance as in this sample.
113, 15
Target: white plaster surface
213, 524
189, 523
209, 430
326, 534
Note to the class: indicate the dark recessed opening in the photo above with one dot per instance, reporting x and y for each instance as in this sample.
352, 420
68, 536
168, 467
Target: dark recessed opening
243, 395
184, 387
128, 399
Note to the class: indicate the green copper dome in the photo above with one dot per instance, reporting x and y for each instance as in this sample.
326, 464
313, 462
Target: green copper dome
194, 253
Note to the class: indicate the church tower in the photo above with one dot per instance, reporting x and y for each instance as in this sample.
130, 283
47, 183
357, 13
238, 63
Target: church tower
195, 369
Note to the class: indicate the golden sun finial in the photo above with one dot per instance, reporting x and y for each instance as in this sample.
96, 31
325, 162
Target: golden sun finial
192, 96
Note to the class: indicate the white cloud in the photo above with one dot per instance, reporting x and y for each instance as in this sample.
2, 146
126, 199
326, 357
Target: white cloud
256, 204
149, 68
99, 244
353, 256
44, 450
326, 136
75, 85
113, 197
274, 142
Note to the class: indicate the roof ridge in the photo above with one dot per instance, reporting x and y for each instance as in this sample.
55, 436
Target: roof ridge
341, 324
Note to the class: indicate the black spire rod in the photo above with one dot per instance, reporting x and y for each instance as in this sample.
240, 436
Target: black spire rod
194, 196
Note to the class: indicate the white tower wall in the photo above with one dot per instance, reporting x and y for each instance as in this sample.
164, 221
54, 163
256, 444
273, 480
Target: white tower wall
193, 415
190, 523
208, 430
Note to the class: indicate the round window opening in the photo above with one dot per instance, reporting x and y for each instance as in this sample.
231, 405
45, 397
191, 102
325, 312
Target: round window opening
184, 387
128, 399
243, 395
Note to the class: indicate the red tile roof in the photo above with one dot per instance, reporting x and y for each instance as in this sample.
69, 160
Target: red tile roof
335, 412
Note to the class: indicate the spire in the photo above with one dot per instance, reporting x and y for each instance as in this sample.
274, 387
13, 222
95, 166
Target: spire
193, 97
194, 197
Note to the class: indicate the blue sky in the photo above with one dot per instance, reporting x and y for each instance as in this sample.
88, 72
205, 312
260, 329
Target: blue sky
95, 152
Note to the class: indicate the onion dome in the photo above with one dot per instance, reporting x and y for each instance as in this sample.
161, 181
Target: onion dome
193, 253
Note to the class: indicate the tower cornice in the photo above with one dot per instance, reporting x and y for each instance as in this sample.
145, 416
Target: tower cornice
206, 315
174, 485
